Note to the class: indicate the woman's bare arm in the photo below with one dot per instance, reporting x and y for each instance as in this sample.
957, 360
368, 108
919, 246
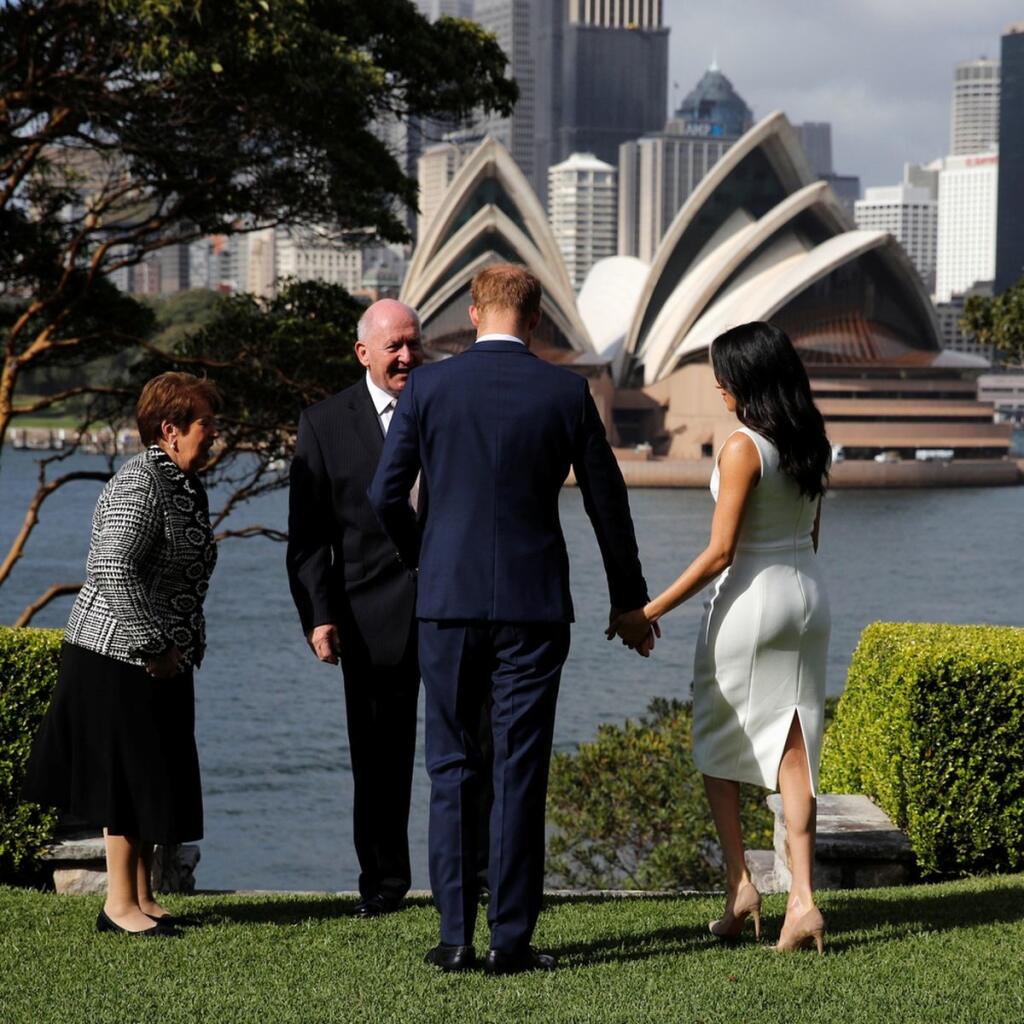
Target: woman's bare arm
739, 467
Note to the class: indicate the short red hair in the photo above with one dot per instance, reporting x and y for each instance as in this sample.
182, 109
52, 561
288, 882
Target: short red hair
172, 396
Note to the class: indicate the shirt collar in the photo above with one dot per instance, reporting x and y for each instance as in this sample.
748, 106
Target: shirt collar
381, 399
502, 337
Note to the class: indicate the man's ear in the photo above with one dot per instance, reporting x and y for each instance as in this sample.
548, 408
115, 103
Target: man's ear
534, 321
474, 316
362, 354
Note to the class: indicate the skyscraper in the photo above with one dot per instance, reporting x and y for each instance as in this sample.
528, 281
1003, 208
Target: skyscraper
659, 171
581, 200
967, 223
974, 121
1010, 230
517, 26
910, 214
816, 138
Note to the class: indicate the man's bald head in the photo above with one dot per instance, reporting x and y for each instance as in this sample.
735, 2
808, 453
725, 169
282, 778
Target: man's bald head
388, 343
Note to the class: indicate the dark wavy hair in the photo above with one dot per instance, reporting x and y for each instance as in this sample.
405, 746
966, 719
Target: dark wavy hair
758, 365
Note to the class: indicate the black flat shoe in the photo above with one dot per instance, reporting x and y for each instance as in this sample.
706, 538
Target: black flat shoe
159, 930
451, 958
499, 962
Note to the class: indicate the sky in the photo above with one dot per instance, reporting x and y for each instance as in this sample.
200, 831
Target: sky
881, 71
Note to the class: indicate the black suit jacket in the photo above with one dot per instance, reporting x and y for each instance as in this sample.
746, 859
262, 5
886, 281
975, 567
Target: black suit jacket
342, 567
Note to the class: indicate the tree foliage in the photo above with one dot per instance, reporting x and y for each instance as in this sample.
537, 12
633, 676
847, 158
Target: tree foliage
999, 322
629, 809
130, 125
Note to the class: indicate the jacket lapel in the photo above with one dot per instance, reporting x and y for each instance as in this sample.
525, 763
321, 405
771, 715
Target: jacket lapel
366, 421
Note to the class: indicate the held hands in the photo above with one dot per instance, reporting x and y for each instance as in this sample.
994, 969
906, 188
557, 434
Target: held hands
636, 630
325, 642
165, 665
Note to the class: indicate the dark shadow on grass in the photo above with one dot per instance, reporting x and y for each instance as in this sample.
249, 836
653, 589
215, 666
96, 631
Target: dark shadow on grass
649, 945
853, 912
287, 910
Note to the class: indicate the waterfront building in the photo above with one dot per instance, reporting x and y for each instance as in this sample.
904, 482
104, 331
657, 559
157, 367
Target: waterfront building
974, 119
582, 212
910, 214
1005, 391
966, 247
658, 172
1010, 231
758, 239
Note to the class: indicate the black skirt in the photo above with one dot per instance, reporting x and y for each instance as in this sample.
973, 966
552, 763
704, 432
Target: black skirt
117, 750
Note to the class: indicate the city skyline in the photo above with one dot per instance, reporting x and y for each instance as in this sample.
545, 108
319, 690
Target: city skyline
880, 73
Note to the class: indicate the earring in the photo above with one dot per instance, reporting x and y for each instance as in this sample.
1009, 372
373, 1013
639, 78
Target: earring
174, 444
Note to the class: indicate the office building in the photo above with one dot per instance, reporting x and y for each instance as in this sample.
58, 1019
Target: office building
658, 172
516, 25
911, 215
966, 248
434, 9
613, 72
582, 212
435, 170
952, 335
1010, 231
974, 120
816, 139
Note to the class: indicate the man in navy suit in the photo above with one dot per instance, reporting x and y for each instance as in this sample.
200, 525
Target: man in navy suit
494, 432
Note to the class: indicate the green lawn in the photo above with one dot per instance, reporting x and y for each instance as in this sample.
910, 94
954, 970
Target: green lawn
935, 954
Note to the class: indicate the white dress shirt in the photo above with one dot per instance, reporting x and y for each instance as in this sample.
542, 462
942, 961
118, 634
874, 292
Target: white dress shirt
384, 403
501, 337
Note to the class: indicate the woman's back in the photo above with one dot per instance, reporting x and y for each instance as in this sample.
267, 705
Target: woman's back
777, 515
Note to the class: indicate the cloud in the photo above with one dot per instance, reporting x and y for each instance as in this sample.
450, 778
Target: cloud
881, 71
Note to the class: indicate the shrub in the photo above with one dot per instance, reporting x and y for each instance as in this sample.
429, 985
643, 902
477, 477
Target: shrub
629, 809
28, 672
931, 726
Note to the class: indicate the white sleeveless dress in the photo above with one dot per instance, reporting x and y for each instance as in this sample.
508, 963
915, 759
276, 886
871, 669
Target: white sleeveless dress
763, 646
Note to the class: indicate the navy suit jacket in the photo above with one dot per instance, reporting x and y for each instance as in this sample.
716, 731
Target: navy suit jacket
494, 432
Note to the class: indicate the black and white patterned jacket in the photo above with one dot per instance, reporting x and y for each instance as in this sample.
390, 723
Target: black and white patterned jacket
150, 559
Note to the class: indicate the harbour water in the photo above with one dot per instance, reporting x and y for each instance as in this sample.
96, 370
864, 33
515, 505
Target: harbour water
270, 719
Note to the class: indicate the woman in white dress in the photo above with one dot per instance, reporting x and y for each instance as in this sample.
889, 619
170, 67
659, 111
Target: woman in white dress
759, 668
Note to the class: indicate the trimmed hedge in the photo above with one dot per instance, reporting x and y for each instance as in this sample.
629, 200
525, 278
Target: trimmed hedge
931, 726
29, 660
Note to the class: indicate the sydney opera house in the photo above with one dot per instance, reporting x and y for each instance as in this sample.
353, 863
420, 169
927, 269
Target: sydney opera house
758, 239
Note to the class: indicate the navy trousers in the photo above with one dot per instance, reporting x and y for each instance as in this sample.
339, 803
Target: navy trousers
517, 667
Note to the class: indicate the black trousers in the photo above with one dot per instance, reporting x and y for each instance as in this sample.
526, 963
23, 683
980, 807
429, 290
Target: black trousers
515, 668
380, 704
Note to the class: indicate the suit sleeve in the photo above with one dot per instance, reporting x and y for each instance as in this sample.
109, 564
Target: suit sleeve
396, 473
309, 557
607, 505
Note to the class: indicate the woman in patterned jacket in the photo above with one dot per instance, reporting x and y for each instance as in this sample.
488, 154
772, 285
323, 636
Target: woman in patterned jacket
117, 747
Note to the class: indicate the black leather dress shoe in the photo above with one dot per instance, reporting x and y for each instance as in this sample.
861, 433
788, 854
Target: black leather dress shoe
159, 930
499, 962
451, 958
376, 906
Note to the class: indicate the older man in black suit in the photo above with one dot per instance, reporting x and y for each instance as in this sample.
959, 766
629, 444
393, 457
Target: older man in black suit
356, 599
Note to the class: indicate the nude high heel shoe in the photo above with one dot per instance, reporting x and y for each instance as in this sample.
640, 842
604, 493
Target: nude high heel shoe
809, 928
746, 904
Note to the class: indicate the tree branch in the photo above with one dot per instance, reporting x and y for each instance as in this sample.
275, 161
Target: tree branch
31, 520
50, 594
61, 396
253, 531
